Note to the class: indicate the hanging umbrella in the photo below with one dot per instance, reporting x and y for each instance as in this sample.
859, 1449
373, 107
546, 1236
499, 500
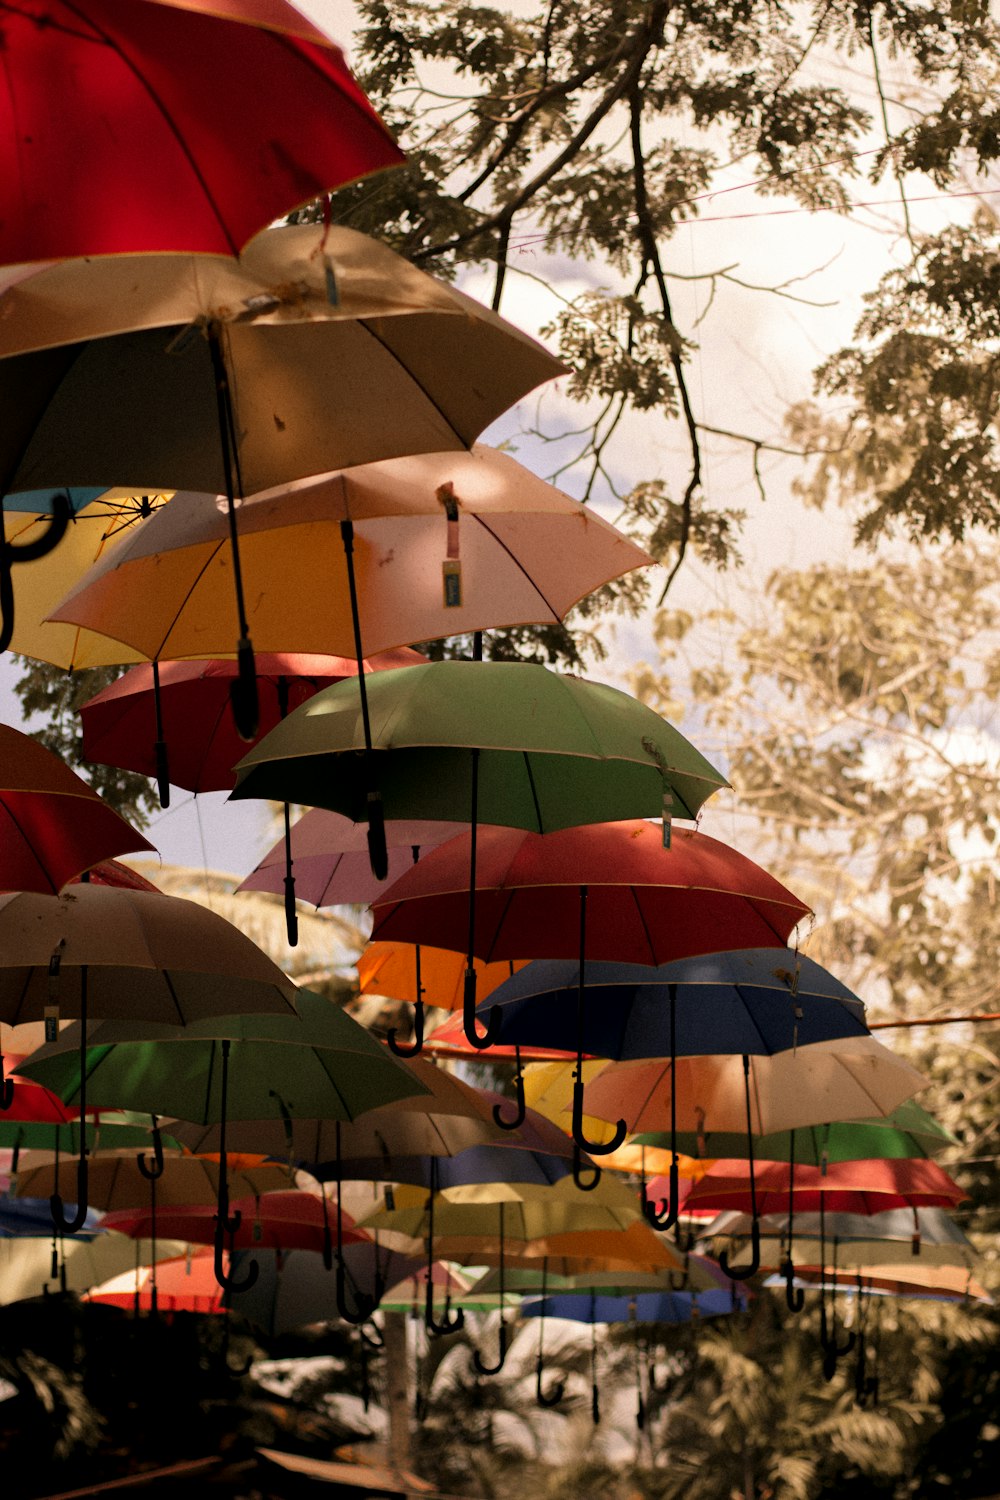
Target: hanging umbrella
313, 1064
117, 1182
848, 1186
603, 892
99, 516
294, 1288
110, 951
409, 971
636, 1247
640, 1307
26, 1264
891, 1234
181, 1283
281, 1218
171, 126
106, 364
53, 825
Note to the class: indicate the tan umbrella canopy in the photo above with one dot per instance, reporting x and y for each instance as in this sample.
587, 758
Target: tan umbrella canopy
117, 1182
444, 543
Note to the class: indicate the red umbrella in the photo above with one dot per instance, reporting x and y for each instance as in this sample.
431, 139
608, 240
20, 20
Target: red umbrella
53, 826
184, 1283
601, 891
292, 1220
857, 1187
30, 1103
188, 125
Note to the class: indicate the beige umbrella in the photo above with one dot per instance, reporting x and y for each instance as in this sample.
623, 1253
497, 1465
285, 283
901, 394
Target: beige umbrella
26, 1262
443, 544
117, 1182
318, 349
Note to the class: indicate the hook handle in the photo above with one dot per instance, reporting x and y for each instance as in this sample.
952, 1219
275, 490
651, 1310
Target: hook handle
156, 1170
59, 1219
378, 852
584, 1187
291, 914
520, 1108
678, 1283
554, 1395
594, 1148
12, 553
448, 1324
413, 1049
365, 1305
665, 1216
469, 1019
745, 1272
477, 1359
794, 1295
230, 1283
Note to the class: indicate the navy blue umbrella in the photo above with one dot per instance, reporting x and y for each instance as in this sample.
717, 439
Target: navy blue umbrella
644, 1307
746, 1001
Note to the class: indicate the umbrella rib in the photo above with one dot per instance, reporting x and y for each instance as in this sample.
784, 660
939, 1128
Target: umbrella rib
365, 324
642, 918
534, 792
520, 566
28, 844
144, 85
488, 956
173, 995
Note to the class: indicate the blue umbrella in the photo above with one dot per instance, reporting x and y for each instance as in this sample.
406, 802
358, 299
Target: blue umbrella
749, 1001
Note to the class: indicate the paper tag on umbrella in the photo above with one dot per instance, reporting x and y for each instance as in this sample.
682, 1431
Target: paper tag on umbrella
51, 1017
451, 568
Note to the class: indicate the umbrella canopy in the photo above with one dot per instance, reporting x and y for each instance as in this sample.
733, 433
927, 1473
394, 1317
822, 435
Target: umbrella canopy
278, 1219
26, 1264
635, 1247
534, 1281
332, 867
180, 1283
295, 1288
104, 363
840, 1079
129, 954
643, 1307
390, 969
526, 554
30, 1103
907, 1131
527, 1213
645, 904
165, 153
53, 826
550, 752
945, 1283
120, 726
848, 1186
759, 1000
116, 1182
317, 1063
39, 582
910, 1232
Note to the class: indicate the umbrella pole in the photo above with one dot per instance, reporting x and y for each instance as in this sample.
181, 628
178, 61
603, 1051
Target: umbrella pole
59, 1219
794, 1296
493, 1020
580, 1141
378, 854
226, 1222
243, 691
6, 1088
291, 915
666, 1215
640, 1409
477, 1358
153, 1309
448, 1324
23, 552
160, 744
558, 1390
365, 1305
745, 1273
416, 1047
595, 1395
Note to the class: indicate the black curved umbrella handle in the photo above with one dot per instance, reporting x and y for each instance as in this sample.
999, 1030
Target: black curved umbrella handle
744, 1273
59, 1219
378, 852
477, 1358
402, 1049
157, 1168
794, 1296
448, 1324
291, 912
243, 695
6, 1089
554, 1395
578, 1170
678, 1284
228, 1282
664, 1216
520, 1108
594, 1148
475, 1038
365, 1305
12, 553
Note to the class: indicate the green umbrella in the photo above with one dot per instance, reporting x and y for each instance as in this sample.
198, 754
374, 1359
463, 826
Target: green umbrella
507, 743
908, 1132
318, 1064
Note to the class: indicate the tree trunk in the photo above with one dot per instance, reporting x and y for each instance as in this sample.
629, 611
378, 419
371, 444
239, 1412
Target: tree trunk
397, 1375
